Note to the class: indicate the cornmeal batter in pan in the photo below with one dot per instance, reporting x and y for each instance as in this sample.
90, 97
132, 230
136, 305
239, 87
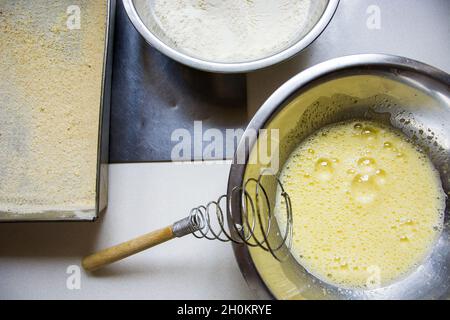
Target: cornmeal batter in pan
50, 92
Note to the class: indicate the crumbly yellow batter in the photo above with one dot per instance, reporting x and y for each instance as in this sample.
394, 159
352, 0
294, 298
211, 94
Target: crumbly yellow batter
50, 88
367, 204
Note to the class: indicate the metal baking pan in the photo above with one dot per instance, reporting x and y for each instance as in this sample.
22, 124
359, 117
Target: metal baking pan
101, 190
103, 144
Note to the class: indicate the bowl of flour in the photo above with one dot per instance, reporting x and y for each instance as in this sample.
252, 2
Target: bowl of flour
230, 36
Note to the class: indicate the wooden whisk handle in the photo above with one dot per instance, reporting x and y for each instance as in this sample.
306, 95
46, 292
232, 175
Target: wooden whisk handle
121, 251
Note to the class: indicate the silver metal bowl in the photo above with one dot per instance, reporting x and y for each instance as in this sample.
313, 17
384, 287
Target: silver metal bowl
139, 12
403, 93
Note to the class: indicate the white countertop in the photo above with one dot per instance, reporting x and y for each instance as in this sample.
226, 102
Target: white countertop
34, 257
143, 197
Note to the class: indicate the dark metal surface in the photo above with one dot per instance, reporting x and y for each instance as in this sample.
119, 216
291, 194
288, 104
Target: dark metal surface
153, 95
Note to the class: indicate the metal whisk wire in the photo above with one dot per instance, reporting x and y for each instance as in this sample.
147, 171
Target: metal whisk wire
215, 221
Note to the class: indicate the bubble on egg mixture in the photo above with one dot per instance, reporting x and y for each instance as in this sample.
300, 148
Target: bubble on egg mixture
364, 198
324, 169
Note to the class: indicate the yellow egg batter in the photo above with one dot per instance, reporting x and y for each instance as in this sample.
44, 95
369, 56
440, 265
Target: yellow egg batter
367, 204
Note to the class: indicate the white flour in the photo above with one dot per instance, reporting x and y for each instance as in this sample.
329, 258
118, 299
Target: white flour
232, 30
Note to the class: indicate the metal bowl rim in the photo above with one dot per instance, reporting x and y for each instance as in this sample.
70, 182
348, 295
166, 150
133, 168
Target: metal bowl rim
241, 67
290, 89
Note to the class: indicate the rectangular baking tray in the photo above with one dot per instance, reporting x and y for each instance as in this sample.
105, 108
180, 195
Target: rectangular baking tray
103, 138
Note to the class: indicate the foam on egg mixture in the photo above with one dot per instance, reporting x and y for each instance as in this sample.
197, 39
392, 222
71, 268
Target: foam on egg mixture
367, 203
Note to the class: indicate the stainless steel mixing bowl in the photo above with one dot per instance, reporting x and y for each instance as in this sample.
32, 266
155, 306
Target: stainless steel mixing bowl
141, 15
403, 93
